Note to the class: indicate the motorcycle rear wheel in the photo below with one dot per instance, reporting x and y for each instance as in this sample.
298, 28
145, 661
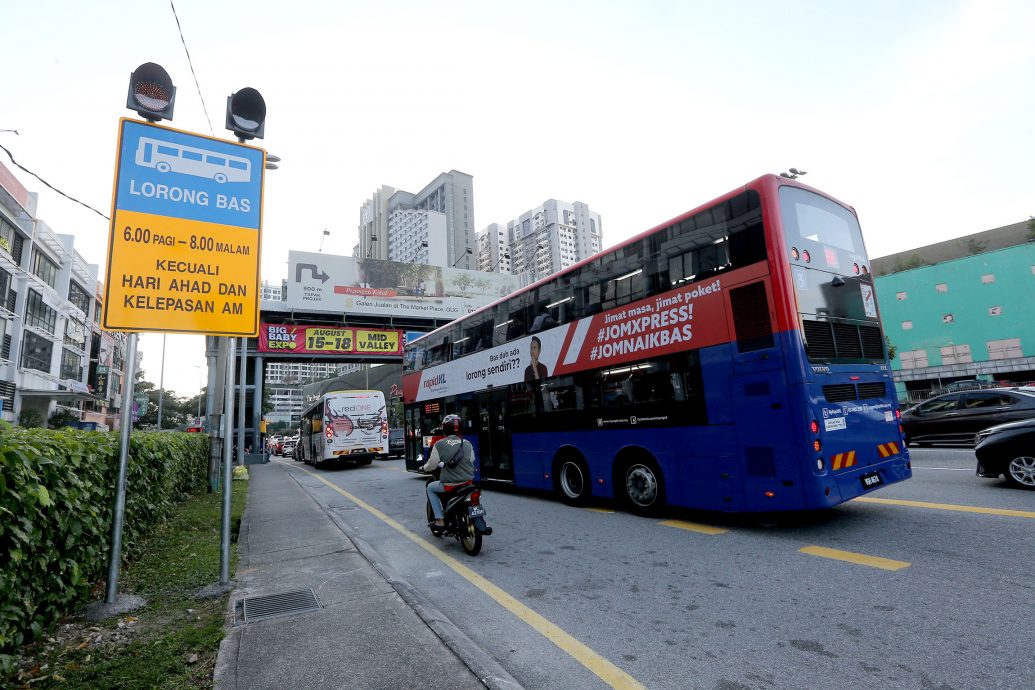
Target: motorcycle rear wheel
470, 538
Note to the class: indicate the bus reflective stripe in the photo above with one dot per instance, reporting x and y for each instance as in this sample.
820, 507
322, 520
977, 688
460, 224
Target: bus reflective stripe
894, 447
888, 449
577, 339
843, 460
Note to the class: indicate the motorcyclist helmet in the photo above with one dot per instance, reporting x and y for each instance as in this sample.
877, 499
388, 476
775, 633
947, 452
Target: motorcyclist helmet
451, 424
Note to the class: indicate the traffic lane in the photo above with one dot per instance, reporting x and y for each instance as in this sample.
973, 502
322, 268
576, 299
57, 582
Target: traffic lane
530, 657
947, 475
674, 603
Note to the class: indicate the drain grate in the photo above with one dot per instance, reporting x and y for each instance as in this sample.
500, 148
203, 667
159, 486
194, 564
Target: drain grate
280, 604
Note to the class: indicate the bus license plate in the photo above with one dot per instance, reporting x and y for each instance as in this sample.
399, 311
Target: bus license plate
871, 480
476, 511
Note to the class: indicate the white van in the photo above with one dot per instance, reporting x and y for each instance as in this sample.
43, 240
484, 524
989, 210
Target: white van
345, 425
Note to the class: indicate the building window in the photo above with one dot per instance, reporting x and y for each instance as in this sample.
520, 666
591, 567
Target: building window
7, 235
38, 314
941, 287
75, 333
995, 311
914, 359
907, 325
1004, 349
948, 318
79, 297
900, 296
5, 286
988, 278
43, 268
71, 365
36, 352
956, 354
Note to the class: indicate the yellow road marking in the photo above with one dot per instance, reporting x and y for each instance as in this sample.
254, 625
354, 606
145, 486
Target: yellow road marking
693, 527
604, 669
852, 557
949, 506
604, 511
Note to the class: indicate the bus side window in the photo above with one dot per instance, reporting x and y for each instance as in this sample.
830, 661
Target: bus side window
317, 425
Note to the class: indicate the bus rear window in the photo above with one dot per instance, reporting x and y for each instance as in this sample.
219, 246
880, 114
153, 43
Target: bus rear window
815, 218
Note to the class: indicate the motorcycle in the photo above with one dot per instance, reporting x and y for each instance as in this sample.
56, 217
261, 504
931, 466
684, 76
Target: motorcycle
464, 515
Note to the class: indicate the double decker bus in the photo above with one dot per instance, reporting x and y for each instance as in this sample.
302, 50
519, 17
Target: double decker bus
731, 359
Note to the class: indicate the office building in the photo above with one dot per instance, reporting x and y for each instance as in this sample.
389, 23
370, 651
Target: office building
49, 317
960, 309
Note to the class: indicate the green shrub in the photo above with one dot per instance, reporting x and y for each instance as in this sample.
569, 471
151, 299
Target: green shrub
57, 492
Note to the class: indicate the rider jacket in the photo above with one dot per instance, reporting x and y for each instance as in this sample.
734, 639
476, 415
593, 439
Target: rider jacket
443, 451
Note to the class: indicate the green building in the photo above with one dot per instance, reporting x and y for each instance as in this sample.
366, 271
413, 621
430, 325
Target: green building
961, 309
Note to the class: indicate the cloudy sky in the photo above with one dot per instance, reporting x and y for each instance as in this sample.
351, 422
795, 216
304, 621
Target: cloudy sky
920, 114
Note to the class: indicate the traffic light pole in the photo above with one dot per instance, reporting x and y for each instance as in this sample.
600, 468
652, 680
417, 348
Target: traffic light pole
126, 421
228, 459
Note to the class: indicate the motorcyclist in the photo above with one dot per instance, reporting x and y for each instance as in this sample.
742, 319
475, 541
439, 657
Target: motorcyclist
457, 456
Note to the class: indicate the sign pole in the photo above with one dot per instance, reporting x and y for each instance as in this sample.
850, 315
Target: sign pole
241, 400
126, 421
161, 384
228, 438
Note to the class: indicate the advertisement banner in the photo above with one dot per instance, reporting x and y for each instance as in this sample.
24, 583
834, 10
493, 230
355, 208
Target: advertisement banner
329, 340
685, 319
344, 284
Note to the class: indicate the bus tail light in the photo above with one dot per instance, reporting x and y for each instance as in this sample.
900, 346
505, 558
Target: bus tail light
817, 446
328, 431
769, 494
805, 255
814, 426
820, 464
898, 414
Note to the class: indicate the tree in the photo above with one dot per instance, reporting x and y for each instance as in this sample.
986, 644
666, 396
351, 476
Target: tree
462, 282
891, 348
62, 418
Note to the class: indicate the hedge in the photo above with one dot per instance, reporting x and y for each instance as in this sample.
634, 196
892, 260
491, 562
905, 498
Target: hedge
57, 492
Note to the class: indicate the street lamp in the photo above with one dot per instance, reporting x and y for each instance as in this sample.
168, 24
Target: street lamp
793, 174
463, 256
326, 232
423, 245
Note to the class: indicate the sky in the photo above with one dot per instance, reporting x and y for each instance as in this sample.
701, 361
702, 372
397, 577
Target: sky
918, 114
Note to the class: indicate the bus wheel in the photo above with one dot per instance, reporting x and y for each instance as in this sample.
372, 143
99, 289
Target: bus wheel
571, 479
644, 487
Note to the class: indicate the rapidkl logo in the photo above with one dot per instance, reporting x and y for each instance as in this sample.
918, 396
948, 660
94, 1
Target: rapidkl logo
435, 381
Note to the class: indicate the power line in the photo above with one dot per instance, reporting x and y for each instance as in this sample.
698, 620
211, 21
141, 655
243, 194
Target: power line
191, 63
67, 196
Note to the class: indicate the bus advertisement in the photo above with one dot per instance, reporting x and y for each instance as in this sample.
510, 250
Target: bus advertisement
731, 359
345, 426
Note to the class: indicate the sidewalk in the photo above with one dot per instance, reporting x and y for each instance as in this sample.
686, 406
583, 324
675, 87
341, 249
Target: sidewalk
372, 629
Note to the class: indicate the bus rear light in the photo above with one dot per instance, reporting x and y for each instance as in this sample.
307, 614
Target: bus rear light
817, 446
855, 269
898, 414
805, 255
820, 464
329, 433
769, 494
794, 253
814, 426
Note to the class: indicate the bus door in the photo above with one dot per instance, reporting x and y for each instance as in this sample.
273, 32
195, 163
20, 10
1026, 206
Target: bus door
414, 449
494, 444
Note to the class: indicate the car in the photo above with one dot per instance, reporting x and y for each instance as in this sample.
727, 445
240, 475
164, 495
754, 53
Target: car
957, 417
1008, 450
287, 447
396, 442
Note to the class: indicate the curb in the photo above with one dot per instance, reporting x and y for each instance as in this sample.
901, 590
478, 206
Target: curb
489, 671
230, 647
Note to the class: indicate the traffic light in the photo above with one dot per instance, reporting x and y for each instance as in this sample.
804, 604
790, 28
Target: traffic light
246, 114
151, 92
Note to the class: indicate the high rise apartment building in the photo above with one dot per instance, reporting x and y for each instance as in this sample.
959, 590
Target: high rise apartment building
450, 194
417, 236
299, 372
541, 241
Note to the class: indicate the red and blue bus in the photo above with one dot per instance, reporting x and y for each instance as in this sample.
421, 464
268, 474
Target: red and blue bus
731, 359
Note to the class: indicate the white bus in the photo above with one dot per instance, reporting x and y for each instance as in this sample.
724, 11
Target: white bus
165, 156
345, 425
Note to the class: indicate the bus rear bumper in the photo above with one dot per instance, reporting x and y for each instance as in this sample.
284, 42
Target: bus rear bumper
860, 481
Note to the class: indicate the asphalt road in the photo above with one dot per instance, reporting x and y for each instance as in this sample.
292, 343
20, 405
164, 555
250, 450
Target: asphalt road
937, 597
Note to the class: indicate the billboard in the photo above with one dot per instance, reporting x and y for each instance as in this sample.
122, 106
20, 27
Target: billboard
329, 340
344, 284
